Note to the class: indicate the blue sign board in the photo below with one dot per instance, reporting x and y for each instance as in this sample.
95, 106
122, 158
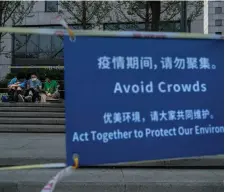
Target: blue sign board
135, 99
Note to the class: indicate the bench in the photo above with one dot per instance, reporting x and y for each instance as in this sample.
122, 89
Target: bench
54, 100
60, 100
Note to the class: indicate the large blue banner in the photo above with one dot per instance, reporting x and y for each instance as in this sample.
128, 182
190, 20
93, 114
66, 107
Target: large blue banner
143, 99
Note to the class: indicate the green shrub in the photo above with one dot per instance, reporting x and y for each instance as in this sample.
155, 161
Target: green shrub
3, 85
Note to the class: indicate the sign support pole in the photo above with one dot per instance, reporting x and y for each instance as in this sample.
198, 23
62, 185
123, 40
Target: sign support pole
206, 17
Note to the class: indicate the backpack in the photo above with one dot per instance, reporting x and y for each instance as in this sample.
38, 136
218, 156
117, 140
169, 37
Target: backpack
4, 98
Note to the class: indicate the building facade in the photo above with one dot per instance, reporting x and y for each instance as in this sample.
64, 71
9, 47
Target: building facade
46, 50
216, 17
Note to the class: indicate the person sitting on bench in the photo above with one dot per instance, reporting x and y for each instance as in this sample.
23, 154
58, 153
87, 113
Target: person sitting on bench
34, 86
16, 88
50, 89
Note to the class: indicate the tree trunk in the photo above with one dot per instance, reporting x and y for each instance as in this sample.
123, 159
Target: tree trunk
1, 12
155, 7
147, 15
84, 15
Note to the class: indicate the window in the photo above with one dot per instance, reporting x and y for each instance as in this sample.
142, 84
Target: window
57, 41
45, 43
218, 33
124, 26
169, 26
164, 26
218, 10
20, 43
218, 22
40, 46
51, 6
32, 46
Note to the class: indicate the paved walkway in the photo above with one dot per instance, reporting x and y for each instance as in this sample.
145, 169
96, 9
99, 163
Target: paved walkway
117, 180
20, 149
31, 148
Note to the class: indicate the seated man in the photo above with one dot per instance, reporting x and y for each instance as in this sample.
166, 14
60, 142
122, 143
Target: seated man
34, 85
50, 89
17, 87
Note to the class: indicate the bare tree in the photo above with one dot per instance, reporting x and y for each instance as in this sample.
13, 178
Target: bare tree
12, 13
151, 13
84, 14
87, 14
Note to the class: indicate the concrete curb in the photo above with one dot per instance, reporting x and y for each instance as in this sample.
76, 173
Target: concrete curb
32, 105
32, 114
40, 121
30, 148
120, 180
37, 128
196, 162
31, 109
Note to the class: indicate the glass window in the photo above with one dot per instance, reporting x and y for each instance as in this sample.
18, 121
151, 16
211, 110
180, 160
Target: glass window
218, 10
44, 55
32, 46
59, 54
45, 43
20, 54
164, 26
124, 27
57, 43
20, 43
107, 26
218, 22
132, 27
218, 33
40, 46
167, 26
51, 6
141, 27
32, 43
80, 27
